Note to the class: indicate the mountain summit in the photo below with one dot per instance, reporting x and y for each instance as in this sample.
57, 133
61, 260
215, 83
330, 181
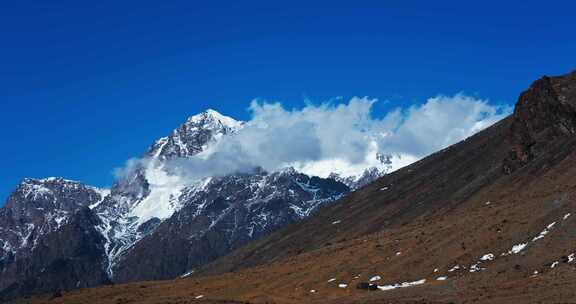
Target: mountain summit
192, 137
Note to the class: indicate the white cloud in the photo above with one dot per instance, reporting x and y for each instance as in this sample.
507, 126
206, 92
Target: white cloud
440, 122
342, 138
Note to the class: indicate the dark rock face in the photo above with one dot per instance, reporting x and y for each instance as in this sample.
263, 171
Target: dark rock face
48, 237
544, 113
228, 213
68, 258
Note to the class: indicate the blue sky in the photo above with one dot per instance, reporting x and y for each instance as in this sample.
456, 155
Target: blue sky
85, 86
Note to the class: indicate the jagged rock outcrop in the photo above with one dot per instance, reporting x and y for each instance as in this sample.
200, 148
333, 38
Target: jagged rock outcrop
543, 114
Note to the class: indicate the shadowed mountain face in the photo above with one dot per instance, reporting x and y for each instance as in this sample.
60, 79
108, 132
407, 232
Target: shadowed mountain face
488, 220
57, 234
545, 114
47, 224
228, 213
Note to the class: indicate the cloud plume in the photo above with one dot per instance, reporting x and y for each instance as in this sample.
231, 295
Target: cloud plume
342, 138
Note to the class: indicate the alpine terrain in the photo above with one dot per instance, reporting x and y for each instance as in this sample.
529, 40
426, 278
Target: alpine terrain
491, 219
152, 224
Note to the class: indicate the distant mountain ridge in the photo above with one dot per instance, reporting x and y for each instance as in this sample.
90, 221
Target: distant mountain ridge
184, 223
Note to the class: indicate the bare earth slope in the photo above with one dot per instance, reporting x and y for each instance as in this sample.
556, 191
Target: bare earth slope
489, 220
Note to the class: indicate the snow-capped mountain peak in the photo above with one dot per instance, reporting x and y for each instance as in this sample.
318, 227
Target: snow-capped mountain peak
194, 135
212, 119
151, 207
39, 207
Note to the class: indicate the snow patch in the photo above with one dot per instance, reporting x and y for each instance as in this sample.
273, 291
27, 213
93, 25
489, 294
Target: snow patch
454, 268
103, 194
554, 264
402, 285
544, 232
476, 267
487, 257
35, 191
519, 247
516, 249
214, 117
187, 274
161, 203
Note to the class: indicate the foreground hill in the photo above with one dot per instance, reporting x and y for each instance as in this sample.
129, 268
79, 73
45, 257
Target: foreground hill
491, 219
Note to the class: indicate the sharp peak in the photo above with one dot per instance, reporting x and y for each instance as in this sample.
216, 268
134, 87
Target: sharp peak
209, 113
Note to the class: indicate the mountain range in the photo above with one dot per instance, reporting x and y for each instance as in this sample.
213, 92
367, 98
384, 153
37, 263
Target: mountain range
487, 220
153, 224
